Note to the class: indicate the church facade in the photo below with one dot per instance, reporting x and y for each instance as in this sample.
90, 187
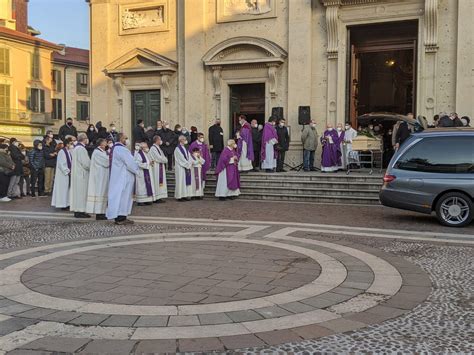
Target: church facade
190, 62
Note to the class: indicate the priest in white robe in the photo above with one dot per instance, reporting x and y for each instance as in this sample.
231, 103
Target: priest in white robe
228, 177
352, 157
144, 193
62, 179
182, 171
197, 183
268, 152
123, 169
80, 177
98, 181
158, 170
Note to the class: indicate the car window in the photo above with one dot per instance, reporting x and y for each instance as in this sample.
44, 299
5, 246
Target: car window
449, 155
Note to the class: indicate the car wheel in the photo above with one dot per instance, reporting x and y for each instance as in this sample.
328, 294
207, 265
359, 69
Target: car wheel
454, 209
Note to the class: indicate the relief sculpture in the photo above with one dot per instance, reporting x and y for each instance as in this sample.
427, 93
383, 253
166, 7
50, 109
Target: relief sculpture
242, 10
132, 19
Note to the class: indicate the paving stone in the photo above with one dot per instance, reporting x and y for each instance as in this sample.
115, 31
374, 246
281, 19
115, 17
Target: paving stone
226, 277
119, 321
151, 321
272, 312
101, 296
390, 312
346, 291
241, 341
194, 288
244, 316
297, 307
130, 290
278, 337
232, 284
89, 319
146, 276
335, 297
109, 347
61, 316
29, 352
245, 294
13, 324
219, 291
189, 297
258, 287
341, 325
214, 318
128, 299
36, 313
57, 344
366, 317
156, 346
318, 302
205, 282
312, 331
180, 321
201, 344
134, 282
5, 302
15, 309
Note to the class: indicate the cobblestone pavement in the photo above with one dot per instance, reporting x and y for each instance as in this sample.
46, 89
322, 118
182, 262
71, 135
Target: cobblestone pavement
180, 285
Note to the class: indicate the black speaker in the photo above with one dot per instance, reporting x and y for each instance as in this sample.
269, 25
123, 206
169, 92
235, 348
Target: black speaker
277, 113
304, 115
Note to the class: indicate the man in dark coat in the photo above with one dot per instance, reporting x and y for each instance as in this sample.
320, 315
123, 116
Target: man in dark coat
257, 143
67, 130
216, 142
138, 134
17, 157
37, 163
170, 142
283, 144
402, 134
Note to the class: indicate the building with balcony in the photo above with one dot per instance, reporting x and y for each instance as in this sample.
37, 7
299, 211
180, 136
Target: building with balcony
190, 62
70, 87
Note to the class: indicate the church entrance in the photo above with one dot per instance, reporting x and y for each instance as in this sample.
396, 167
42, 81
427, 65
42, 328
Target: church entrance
248, 100
382, 76
146, 106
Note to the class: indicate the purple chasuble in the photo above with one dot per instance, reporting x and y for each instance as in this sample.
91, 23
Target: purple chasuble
204, 149
269, 132
188, 171
246, 136
232, 170
329, 155
146, 175
160, 168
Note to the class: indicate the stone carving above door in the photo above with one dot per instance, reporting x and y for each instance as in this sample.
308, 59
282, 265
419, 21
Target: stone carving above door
244, 10
143, 17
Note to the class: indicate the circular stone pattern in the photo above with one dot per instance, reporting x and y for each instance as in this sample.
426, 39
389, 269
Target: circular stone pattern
173, 273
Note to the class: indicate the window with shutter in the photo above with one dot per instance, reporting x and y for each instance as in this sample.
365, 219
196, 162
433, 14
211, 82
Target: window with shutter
4, 61
82, 110
56, 80
82, 83
42, 107
35, 65
57, 109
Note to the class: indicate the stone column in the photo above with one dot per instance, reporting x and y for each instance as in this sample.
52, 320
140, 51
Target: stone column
332, 28
465, 56
216, 82
430, 62
165, 91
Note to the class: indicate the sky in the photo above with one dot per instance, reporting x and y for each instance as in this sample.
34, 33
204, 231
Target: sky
61, 21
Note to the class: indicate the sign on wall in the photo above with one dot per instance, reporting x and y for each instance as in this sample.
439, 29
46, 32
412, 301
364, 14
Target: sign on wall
11, 131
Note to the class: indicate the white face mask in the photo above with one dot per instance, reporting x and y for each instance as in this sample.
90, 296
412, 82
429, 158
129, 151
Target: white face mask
91, 129
160, 143
348, 127
40, 147
23, 152
16, 144
137, 147
110, 145
260, 127
70, 147
50, 135
112, 129
146, 150
330, 129
167, 126
339, 129
282, 125
201, 140
127, 142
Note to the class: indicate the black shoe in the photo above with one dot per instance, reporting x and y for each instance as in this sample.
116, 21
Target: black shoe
140, 204
81, 215
232, 197
314, 169
42, 195
159, 201
100, 217
181, 200
187, 199
33, 195
148, 203
306, 170
65, 208
23, 195
222, 198
283, 171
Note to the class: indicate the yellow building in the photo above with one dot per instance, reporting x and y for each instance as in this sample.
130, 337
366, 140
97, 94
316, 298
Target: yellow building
25, 75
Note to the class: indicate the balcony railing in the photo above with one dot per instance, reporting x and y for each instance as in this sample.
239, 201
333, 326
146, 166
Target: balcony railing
26, 117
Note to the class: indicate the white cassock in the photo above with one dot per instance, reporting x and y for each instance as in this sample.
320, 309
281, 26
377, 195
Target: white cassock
79, 178
61, 187
144, 173
159, 158
182, 163
121, 182
196, 176
222, 190
351, 156
98, 182
270, 161
244, 163
343, 152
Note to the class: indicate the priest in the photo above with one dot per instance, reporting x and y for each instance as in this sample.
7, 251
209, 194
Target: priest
349, 135
245, 145
197, 162
98, 181
341, 158
329, 156
182, 171
205, 154
62, 179
269, 140
80, 177
123, 169
144, 193
227, 171
158, 170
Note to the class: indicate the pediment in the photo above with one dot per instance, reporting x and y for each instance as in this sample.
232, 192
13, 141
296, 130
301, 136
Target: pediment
244, 51
140, 60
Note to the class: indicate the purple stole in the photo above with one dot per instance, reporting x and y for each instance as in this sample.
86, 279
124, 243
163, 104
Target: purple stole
68, 162
188, 171
146, 175
160, 168
196, 174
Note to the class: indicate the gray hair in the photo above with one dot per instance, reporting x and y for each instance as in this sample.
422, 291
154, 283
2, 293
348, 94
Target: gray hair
81, 137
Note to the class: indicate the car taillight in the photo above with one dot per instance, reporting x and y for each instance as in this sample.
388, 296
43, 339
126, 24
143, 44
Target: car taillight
389, 178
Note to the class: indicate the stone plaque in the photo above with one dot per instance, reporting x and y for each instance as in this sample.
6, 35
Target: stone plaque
143, 17
244, 10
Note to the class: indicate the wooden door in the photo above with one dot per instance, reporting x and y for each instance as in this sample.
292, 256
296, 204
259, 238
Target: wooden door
354, 86
146, 106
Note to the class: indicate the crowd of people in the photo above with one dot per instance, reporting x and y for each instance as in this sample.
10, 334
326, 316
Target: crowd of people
94, 172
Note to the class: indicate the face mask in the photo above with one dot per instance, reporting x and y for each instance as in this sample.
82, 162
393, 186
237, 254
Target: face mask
158, 128
371, 127
376, 129
260, 127
185, 131
146, 150
348, 127
235, 146
201, 140
70, 147
16, 144
167, 126
127, 142
179, 130
185, 142
389, 132
69, 124
282, 125
50, 135
112, 129
40, 147
137, 147
161, 143
218, 123
330, 129
339, 129
74, 143
23, 152
91, 129
110, 145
